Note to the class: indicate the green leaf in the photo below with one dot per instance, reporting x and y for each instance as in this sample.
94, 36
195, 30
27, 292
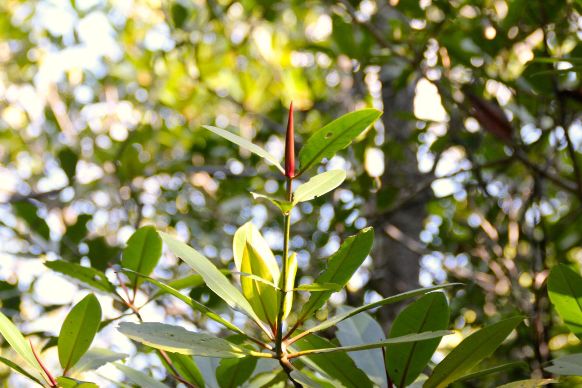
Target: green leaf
21, 346
284, 206
213, 278
391, 299
67, 382
85, 276
337, 135
28, 212
195, 305
405, 362
495, 369
565, 291
318, 185
291, 272
340, 268
529, 383
262, 297
176, 339
301, 377
187, 368
68, 160
313, 287
96, 358
232, 373
142, 253
470, 352
139, 378
20, 370
78, 331
248, 233
362, 329
246, 145
336, 365
427, 335
190, 281
570, 365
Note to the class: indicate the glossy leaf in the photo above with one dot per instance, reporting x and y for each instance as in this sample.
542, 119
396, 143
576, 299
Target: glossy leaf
78, 331
318, 185
362, 329
176, 339
20, 370
143, 251
213, 278
313, 287
85, 276
96, 358
187, 368
21, 346
337, 135
195, 305
244, 143
139, 378
291, 272
336, 365
391, 299
248, 233
68, 382
570, 365
405, 362
470, 352
340, 268
565, 291
262, 297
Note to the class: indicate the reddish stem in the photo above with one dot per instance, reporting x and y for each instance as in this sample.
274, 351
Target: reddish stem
51, 379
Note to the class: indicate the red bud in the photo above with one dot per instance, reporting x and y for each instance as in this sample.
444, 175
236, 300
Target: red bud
290, 146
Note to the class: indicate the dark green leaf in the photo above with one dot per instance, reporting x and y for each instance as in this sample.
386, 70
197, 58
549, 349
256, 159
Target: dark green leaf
28, 212
565, 290
143, 251
86, 276
20, 370
187, 368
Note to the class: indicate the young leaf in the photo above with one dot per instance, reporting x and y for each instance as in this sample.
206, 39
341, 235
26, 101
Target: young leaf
246, 145
234, 372
289, 283
176, 339
195, 305
213, 278
248, 233
565, 291
86, 276
20, 370
391, 299
340, 268
318, 185
284, 206
362, 329
96, 358
67, 382
336, 365
139, 378
470, 352
187, 368
21, 346
142, 253
337, 135
78, 331
405, 362
261, 297
570, 365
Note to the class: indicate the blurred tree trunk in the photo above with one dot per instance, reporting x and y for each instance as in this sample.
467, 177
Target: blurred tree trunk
396, 262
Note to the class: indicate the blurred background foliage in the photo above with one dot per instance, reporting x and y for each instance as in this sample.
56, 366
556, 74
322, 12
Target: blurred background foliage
472, 175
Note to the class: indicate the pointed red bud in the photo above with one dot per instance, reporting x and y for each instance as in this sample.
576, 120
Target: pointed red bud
290, 146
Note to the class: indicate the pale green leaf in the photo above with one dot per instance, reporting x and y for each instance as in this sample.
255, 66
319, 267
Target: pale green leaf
318, 186
284, 206
565, 291
21, 346
176, 339
20, 370
249, 233
78, 331
313, 287
470, 352
244, 143
570, 365
337, 135
139, 378
96, 358
529, 383
291, 273
68, 382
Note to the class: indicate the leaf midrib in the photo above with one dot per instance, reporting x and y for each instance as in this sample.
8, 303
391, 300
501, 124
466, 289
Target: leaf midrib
82, 324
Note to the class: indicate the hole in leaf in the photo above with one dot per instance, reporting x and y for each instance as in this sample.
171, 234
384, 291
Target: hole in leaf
328, 135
